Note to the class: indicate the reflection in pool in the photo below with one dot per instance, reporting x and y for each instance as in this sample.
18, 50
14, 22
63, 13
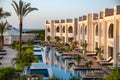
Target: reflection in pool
50, 64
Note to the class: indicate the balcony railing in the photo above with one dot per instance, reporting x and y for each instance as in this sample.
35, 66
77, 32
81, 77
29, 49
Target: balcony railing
47, 22
69, 20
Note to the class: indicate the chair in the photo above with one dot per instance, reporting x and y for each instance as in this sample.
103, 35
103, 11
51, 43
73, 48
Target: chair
3, 52
1, 56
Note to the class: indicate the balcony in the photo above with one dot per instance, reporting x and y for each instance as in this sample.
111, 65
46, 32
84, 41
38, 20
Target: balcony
56, 21
62, 21
69, 20
95, 16
47, 22
84, 17
109, 12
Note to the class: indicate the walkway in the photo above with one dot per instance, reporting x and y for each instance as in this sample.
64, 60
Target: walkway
7, 59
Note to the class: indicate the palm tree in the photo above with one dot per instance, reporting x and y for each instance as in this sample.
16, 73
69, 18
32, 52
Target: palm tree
84, 45
75, 43
3, 14
22, 9
99, 51
71, 40
58, 39
88, 64
2, 29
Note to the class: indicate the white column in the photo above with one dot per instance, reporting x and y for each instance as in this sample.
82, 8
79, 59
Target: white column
116, 43
66, 34
105, 40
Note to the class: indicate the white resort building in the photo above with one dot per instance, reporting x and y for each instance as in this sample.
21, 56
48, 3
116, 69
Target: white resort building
98, 30
11, 34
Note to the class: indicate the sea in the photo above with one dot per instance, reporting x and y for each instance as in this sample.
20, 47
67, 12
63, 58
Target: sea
25, 30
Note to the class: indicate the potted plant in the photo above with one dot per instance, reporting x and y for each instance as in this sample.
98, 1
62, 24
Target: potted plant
84, 46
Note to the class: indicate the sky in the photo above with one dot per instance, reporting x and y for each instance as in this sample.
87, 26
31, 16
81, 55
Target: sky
55, 9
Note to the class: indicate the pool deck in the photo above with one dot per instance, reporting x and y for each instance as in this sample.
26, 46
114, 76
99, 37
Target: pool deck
7, 59
95, 63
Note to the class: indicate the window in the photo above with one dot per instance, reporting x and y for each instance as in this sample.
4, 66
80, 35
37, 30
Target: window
110, 31
48, 29
70, 29
96, 44
81, 30
110, 51
85, 30
96, 30
57, 29
63, 29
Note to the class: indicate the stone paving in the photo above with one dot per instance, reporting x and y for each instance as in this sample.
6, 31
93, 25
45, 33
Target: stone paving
7, 59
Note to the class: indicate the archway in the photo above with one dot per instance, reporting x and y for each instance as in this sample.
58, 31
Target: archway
48, 29
81, 30
85, 30
70, 29
63, 29
110, 31
96, 30
57, 29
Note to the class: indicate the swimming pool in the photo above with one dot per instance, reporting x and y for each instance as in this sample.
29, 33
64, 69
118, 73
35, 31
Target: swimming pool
48, 71
57, 65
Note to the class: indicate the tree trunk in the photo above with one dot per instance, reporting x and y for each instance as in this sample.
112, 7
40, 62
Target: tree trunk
20, 37
1, 42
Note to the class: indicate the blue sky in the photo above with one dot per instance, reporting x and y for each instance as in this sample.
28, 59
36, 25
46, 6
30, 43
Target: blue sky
56, 9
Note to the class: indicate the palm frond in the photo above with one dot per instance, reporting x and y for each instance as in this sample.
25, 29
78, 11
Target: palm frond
22, 8
30, 10
21, 5
4, 14
16, 7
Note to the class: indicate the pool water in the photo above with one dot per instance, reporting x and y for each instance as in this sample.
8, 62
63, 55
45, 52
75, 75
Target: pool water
54, 66
44, 69
61, 73
48, 71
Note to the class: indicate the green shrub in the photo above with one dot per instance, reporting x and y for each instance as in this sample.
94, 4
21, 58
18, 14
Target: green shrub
6, 73
19, 67
35, 59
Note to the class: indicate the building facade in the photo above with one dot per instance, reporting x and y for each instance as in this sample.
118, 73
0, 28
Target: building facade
100, 29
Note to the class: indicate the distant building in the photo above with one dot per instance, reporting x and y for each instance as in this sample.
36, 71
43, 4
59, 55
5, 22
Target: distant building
65, 29
97, 29
11, 34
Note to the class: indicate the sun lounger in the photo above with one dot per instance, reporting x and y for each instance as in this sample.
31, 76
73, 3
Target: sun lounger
91, 54
106, 62
1, 56
3, 52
